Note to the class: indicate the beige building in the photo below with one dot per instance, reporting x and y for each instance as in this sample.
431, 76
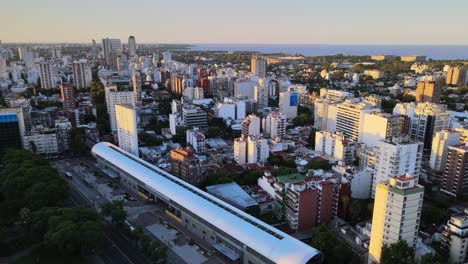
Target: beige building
397, 210
127, 128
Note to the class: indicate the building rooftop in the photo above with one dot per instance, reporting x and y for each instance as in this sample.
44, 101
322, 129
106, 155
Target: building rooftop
268, 241
291, 178
233, 194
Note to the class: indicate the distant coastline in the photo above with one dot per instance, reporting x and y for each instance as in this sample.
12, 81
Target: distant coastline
436, 52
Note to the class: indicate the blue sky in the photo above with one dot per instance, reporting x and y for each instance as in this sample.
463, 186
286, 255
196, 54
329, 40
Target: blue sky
237, 21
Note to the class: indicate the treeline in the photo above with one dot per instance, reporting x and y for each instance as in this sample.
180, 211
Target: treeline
32, 194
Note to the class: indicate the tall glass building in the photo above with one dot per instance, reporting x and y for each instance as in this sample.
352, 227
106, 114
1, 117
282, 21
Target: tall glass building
10, 136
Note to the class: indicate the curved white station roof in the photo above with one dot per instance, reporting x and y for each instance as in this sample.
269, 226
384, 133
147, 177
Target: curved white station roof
275, 245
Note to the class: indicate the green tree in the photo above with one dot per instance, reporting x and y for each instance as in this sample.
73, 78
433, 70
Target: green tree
73, 231
29, 181
334, 250
115, 211
397, 253
78, 140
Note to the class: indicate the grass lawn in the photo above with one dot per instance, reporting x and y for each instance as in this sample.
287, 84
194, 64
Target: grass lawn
49, 257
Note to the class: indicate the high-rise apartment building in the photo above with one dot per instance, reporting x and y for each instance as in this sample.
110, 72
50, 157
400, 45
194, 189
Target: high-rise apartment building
81, 74
350, 118
397, 157
3, 69
440, 143
167, 57
193, 116
196, 139
455, 236
428, 92
335, 145
11, 129
131, 46
68, 97
455, 176
185, 165
457, 76
274, 125
306, 201
258, 66
325, 111
251, 126
47, 75
127, 131
378, 126
250, 149
136, 84
111, 49
288, 102
426, 119
113, 98
397, 211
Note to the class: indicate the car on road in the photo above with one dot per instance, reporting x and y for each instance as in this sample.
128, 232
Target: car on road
68, 175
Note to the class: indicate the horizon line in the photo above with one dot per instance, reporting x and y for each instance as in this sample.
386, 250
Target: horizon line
293, 44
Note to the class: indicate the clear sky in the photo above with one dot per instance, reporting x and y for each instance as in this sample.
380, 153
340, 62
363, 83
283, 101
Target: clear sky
237, 21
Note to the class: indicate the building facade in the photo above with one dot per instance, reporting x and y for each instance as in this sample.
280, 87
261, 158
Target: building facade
455, 176
397, 211
127, 132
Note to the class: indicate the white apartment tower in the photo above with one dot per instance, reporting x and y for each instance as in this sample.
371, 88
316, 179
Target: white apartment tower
440, 143
335, 145
251, 126
455, 236
288, 101
196, 139
325, 111
114, 97
250, 149
397, 157
127, 131
350, 118
274, 125
397, 211
81, 74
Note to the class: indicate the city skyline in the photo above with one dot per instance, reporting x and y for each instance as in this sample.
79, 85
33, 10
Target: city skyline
292, 22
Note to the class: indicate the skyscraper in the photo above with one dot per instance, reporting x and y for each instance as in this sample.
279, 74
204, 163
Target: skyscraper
114, 97
3, 69
397, 211
455, 177
131, 46
68, 97
258, 66
136, 84
167, 57
378, 126
428, 92
81, 74
127, 131
397, 157
454, 237
111, 49
47, 75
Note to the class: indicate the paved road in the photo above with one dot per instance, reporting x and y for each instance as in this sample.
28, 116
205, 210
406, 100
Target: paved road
115, 248
85, 196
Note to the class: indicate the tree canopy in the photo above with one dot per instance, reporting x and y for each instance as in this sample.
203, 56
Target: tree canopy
28, 181
397, 253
